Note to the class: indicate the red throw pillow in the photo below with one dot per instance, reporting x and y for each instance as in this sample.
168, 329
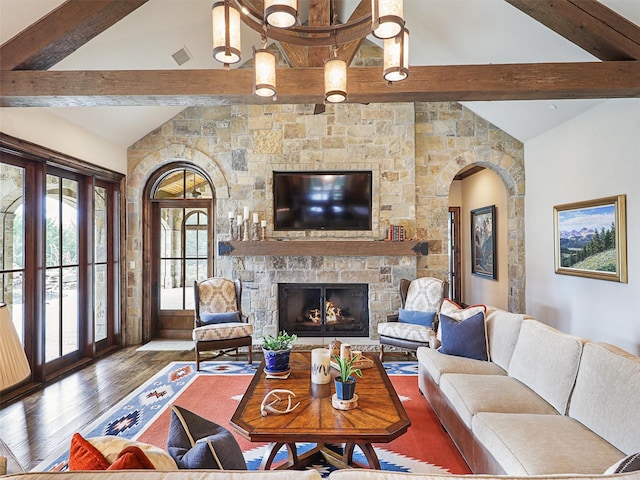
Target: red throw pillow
132, 458
84, 456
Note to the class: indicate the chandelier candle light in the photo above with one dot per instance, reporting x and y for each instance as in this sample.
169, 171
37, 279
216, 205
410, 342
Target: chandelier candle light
279, 21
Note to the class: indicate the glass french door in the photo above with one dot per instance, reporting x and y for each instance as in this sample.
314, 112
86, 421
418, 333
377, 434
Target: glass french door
182, 226
62, 325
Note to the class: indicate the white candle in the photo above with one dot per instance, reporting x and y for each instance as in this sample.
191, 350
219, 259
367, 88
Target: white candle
263, 223
255, 218
246, 213
231, 214
320, 366
239, 220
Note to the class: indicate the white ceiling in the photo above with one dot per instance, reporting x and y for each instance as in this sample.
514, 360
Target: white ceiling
443, 32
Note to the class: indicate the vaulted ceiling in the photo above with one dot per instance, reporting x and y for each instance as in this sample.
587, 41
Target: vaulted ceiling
525, 65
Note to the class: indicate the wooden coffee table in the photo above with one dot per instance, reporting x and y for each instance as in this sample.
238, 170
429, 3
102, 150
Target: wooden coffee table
379, 418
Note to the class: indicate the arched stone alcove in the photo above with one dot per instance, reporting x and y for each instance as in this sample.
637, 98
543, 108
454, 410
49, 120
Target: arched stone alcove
450, 137
142, 173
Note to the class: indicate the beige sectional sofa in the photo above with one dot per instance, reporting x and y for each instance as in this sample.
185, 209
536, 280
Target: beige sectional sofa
546, 402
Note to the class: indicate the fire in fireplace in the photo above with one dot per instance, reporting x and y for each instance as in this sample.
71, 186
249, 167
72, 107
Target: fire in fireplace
326, 309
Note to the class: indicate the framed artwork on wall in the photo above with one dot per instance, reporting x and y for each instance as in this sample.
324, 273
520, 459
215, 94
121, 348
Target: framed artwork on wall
591, 238
483, 242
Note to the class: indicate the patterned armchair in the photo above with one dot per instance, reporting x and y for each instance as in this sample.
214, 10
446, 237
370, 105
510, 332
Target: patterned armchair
409, 329
220, 326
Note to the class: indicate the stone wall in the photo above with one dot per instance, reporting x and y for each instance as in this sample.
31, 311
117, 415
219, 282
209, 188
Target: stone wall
413, 150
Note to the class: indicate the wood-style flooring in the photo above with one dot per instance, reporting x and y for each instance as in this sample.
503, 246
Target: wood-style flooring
36, 425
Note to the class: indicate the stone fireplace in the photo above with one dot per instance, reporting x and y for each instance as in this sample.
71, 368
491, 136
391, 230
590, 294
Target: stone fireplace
324, 309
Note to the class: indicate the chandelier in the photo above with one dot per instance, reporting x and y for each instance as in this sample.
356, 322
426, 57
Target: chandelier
279, 21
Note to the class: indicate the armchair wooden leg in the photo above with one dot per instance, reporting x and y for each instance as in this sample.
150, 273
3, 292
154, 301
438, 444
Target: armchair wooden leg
250, 355
381, 353
197, 358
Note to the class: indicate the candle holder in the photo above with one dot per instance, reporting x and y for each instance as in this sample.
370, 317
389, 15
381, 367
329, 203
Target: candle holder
231, 237
245, 236
263, 235
256, 231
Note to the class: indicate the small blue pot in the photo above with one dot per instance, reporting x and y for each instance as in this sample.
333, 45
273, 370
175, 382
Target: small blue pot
345, 390
276, 361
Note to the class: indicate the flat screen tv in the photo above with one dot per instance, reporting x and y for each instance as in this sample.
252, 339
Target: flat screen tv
322, 200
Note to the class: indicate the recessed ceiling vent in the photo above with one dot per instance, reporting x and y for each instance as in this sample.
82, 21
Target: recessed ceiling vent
182, 56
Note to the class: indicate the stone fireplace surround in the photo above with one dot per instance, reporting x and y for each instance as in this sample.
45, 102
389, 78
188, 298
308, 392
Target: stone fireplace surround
415, 150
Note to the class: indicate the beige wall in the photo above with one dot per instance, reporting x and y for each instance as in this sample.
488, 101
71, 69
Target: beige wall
482, 190
38, 126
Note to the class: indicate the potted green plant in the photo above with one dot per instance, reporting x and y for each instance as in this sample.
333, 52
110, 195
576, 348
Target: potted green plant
277, 350
346, 382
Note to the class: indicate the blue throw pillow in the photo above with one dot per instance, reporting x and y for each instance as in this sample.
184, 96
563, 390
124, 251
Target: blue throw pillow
197, 443
417, 318
207, 318
467, 338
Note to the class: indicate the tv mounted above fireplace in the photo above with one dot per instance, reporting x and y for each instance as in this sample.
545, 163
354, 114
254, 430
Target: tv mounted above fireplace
322, 200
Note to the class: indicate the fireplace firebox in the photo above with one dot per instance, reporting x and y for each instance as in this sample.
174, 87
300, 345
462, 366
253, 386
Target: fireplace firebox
324, 309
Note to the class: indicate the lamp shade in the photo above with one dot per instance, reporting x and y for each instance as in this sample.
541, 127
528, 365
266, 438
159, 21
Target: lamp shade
387, 18
226, 32
281, 13
335, 80
14, 366
396, 57
264, 65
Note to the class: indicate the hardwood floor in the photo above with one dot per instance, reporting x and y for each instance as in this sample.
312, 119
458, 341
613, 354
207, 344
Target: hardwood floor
36, 425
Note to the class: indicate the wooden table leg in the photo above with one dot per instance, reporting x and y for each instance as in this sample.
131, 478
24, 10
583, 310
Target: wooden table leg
369, 454
272, 451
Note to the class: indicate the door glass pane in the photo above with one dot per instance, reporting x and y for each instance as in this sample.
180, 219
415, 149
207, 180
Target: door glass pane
100, 222
100, 307
171, 291
12, 243
69, 309
53, 221
52, 314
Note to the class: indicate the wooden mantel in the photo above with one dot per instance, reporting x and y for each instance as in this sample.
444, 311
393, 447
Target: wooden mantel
320, 248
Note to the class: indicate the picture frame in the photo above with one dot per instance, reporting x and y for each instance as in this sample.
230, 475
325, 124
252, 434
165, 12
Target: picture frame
591, 238
483, 242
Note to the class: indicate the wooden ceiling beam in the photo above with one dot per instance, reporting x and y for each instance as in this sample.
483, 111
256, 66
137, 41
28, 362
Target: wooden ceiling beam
61, 32
589, 24
305, 85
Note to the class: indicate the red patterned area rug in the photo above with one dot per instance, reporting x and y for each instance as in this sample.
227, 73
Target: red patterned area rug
144, 416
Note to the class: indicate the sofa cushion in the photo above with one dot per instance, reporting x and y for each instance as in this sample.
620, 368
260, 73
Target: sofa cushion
467, 338
416, 317
471, 394
543, 444
221, 331
405, 331
436, 364
546, 360
606, 397
503, 329
195, 443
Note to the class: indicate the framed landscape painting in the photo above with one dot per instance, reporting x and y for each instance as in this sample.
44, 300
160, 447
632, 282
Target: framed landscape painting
591, 239
483, 242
